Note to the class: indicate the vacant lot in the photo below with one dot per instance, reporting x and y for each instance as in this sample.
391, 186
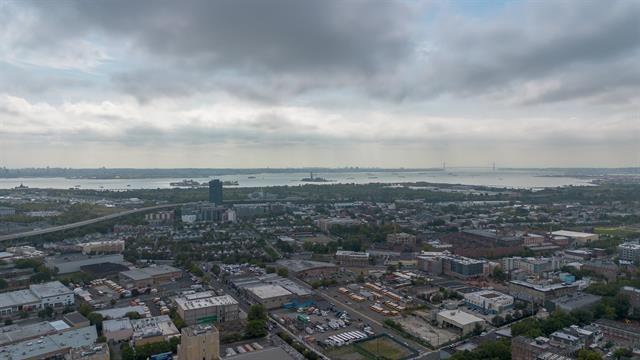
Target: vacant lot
421, 328
345, 353
383, 347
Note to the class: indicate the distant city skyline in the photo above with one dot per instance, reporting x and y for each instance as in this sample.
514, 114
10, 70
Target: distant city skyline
208, 84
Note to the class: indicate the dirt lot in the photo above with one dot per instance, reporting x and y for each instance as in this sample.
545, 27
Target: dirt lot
421, 328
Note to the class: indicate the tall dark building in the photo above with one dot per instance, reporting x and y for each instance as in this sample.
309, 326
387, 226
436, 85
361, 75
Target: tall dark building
215, 191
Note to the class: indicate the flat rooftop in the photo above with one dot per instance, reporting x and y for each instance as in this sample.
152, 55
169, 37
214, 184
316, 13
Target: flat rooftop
204, 302
269, 291
114, 325
541, 287
18, 297
50, 289
459, 317
149, 272
274, 353
121, 312
352, 254
42, 347
304, 265
16, 333
573, 234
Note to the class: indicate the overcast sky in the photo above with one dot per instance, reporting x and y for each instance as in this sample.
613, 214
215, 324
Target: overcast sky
289, 83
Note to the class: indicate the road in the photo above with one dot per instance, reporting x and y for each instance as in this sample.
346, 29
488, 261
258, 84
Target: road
376, 325
84, 222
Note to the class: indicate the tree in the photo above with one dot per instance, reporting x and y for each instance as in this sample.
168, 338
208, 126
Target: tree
133, 315
391, 268
499, 274
497, 320
284, 272
47, 312
215, 269
497, 350
8, 322
85, 309
127, 352
3, 284
622, 353
257, 312
585, 354
256, 328
360, 278
96, 319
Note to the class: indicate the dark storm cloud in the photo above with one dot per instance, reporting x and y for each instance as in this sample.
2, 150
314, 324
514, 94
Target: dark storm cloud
271, 51
578, 44
281, 35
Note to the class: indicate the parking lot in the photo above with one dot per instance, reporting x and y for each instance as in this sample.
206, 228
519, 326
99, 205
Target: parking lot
320, 321
366, 306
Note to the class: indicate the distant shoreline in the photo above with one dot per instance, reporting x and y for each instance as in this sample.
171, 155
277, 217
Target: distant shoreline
132, 173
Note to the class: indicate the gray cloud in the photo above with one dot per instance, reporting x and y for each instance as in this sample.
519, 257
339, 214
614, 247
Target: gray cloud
332, 72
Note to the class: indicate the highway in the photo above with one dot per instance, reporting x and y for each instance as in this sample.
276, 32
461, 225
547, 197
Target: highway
83, 223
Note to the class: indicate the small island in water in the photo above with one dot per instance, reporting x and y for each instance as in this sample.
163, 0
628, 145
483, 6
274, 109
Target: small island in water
311, 178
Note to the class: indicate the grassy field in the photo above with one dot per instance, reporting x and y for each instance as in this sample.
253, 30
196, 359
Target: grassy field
346, 353
617, 231
382, 347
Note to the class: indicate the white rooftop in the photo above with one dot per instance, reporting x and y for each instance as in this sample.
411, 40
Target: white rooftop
43, 347
50, 289
572, 234
268, 291
459, 317
190, 303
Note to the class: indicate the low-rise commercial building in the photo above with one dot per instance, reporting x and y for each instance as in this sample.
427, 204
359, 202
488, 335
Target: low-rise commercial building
149, 276
620, 333
53, 294
462, 321
539, 293
70, 263
524, 348
51, 346
402, 239
633, 294
16, 333
205, 307
91, 352
489, 301
577, 301
38, 296
102, 247
75, 319
308, 268
352, 258
117, 329
326, 224
153, 329
270, 296
579, 237
121, 312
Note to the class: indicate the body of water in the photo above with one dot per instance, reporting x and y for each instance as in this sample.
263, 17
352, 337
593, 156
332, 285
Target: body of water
522, 179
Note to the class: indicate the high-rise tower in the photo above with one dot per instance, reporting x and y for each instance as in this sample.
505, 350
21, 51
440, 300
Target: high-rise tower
215, 191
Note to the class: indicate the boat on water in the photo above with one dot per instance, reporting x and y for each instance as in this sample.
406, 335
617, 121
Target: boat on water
186, 183
251, 177
231, 183
313, 179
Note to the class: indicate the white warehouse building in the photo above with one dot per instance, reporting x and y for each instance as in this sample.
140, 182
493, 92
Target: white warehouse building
489, 301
